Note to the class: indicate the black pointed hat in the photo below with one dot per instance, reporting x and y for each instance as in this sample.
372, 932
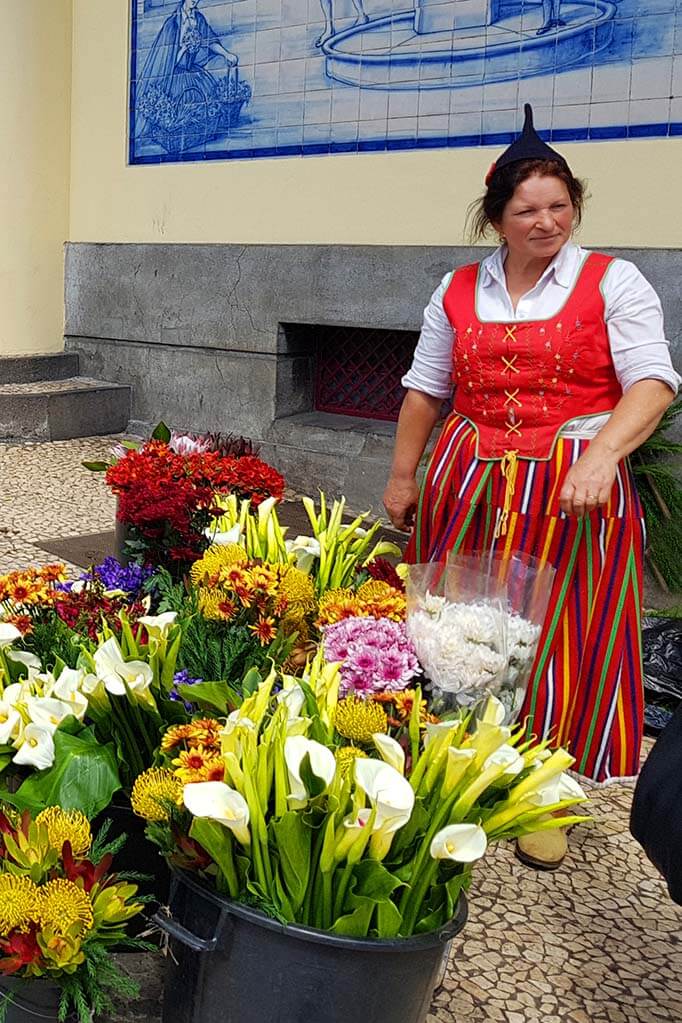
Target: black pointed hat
528, 146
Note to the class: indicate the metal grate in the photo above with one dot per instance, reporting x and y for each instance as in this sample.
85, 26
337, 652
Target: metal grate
358, 370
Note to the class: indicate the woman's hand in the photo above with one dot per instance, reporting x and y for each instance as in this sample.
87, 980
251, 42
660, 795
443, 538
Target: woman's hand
400, 501
589, 482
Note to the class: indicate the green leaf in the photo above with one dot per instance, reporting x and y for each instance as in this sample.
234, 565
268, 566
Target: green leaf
293, 838
389, 918
216, 839
84, 777
161, 432
374, 881
208, 695
96, 466
314, 786
355, 924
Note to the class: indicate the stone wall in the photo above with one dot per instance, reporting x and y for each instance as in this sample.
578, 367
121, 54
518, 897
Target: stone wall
197, 331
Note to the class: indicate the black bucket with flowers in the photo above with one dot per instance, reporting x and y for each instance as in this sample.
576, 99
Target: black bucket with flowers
322, 870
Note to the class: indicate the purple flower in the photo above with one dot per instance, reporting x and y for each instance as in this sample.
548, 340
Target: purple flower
114, 576
182, 678
375, 653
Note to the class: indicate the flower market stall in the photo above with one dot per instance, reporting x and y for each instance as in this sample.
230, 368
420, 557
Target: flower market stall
319, 741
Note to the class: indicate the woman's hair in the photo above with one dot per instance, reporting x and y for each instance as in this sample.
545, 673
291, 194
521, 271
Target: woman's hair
487, 211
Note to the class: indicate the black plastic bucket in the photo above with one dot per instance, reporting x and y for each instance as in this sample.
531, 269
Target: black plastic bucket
233, 964
30, 1001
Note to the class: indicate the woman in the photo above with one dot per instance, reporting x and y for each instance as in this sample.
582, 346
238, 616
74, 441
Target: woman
560, 369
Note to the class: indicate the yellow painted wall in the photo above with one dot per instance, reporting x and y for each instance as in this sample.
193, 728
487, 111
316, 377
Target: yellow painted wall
405, 198
35, 85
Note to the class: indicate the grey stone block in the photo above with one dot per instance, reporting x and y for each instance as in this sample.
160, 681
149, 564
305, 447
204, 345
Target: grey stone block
27, 369
189, 388
77, 409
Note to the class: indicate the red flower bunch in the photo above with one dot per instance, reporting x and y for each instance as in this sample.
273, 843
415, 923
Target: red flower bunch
168, 498
84, 612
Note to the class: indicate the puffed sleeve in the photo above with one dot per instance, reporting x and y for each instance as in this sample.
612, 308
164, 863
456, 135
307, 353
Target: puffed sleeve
431, 369
634, 320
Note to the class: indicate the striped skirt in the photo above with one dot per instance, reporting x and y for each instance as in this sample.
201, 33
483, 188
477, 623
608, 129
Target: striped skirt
585, 689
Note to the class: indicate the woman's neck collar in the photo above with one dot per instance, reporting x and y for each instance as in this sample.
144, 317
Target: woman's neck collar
526, 269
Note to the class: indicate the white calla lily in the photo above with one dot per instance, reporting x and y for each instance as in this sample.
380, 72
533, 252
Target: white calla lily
117, 673
10, 723
218, 802
28, 660
47, 712
37, 748
68, 688
8, 634
557, 790
306, 549
436, 729
508, 756
158, 626
232, 535
463, 843
387, 790
322, 764
390, 751
457, 764
293, 699
494, 712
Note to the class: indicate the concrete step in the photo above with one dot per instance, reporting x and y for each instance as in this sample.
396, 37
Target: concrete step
27, 369
62, 409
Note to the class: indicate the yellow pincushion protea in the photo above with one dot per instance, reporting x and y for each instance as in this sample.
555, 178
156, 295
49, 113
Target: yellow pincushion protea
66, 826
297, 587
359, 720
152, 789
18, 902
65, 908
217, 557
346, 757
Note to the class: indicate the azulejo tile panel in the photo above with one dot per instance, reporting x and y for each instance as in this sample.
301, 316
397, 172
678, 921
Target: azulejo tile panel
215, 79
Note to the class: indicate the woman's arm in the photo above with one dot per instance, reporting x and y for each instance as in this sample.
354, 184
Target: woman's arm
230, 58
418, 416
589, 482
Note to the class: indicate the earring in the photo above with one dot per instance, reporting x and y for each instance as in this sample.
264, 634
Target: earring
501, 239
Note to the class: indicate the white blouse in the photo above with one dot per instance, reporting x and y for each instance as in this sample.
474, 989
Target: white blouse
634, 321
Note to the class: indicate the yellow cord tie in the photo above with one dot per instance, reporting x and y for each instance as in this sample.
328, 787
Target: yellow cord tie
509, 467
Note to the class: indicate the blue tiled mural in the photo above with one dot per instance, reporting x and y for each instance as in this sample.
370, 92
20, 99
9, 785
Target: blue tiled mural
214, 79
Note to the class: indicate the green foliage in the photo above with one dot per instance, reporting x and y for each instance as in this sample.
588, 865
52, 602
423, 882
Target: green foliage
84, 777
52, 640
657, 477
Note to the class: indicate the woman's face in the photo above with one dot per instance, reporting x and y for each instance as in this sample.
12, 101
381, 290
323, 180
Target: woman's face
538, 219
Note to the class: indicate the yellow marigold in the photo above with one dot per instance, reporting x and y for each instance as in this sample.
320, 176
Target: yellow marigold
62, 905
359, 719
175, 736
204, 732
346, 757
297, 587
66, 826
336, 605
402, 704
264, 577
18, 902
217, 557
152, 789
190, 762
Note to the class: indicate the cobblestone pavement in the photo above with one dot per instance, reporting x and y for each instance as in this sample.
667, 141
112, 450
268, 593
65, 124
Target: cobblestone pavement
597, 941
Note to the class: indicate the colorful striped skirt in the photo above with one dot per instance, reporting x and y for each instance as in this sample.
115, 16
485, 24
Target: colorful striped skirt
585, 689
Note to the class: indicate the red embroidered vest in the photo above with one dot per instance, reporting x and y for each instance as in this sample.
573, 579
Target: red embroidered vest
519, 383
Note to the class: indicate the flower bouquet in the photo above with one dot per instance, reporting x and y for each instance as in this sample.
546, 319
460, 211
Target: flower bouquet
371, 837
167, 488
61, 913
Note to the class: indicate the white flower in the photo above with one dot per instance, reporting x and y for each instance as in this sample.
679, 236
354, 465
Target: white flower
68, 688
463, 843
557, 790
305, 549
24, 657
114, 671
434, 729
8, 634
46, 712
10, 721
508, 756
232, 535
390, 751
37, 748
158, 626
494, 712
293, 699
322, 764
387, 790
218, 802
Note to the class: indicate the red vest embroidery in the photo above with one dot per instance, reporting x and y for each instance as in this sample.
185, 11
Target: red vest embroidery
519, 383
